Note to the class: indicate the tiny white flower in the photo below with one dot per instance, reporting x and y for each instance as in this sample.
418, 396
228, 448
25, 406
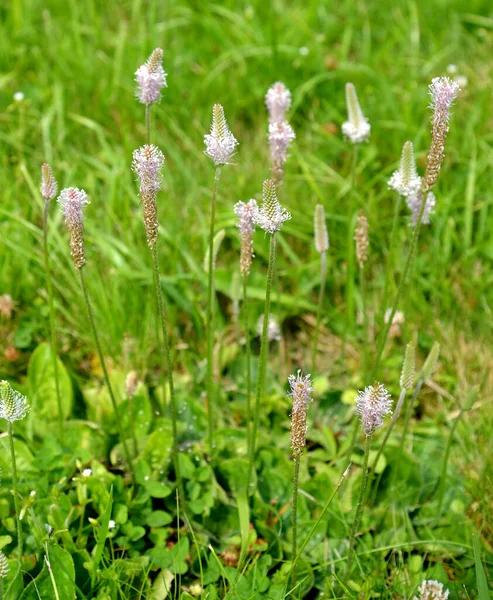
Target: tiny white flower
304, 51
111, 524
19, 96
356, 128
87, 472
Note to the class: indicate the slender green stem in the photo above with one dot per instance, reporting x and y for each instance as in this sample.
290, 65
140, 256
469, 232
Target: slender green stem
105, 372
50, 571
350, 244
387, 435
390, 258
400, 289
363, 292
148, 124
248, 360
54, 352
131, 421
164, 330
323, 277
359, 508
294, 515
264, 344
210, 316
443, 476
15, 484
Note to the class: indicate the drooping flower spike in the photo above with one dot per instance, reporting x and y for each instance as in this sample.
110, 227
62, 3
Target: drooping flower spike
13, 405
356, 128
373, 404
278, 101
271, 215
220, 143
48, 183
281, 134
151, 78
246, 212
72, 202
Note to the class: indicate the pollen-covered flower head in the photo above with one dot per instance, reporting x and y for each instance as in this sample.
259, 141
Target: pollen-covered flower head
301, 388
151, 78
220, 143
147, 164
373, 404
431, 590
246, 212
362, 239
281, 134
48, 183
278, 101
13, 405
4, 565
320, 227
356, 128
406, 180
72, 202
413, 202
443, 92
271, 215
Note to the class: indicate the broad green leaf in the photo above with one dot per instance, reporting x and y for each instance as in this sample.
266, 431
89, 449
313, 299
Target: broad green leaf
62, 566
482, 582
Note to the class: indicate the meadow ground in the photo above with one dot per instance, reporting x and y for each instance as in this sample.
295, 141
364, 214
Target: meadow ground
74, 64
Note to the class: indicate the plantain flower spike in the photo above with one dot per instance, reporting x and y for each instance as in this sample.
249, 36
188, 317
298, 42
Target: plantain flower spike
431, 590
281, 134
220, 143
431, 362
147, 164
4, 565
301, 388
443, 92
13, 405
356, 128
246, 212
131, 383
406, 180
408, 373
151, 78
320, 227
48, 183
413, 202
278, 101
72, 202
362, 239
271, 215
373, 404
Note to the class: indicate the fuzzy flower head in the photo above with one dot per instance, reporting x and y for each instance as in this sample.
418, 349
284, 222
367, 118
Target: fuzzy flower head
362, 239
13, 405
271, 215
151, 78
373, 404
4, 565
414, 204
443, 92
281, 134
356, 128
147, 164
301, 388
48, 183
320, 228
72, 202
278, 101
246, 212
431, 590
406, 180
220, 143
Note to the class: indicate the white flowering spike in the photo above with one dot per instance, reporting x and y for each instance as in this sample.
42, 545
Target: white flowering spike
406, 180
431, 590
356, 128
246, 212
414, 204
151, 78
301, 388
271, 215
4, 565
281, 134
278, 101
373, 404
72, 202
320, 228
220, 143
13, 405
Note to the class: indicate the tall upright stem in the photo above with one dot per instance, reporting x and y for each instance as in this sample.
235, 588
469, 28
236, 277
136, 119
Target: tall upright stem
148, 124
210, 316
350, 245
54, 353
407, 420
294, 515
400, 289
164, 330
359, 509
390, 258
16, 493
248, 360
323, 277
263, 355
105, 372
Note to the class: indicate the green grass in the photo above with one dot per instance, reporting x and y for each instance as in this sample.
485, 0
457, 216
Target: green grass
74, 61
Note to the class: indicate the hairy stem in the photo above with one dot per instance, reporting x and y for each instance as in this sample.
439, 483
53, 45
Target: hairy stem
164, 330
148, 124
105, 372
15, 484
294, 516
264, 344
210, 317
54, 352
359, 508
390, 258
350, 245
323, 277
248, 360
